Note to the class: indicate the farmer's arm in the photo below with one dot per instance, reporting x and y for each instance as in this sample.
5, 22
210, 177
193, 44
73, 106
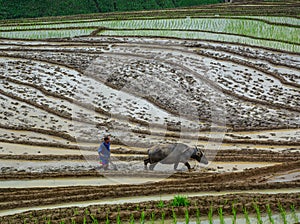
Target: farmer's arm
102, 151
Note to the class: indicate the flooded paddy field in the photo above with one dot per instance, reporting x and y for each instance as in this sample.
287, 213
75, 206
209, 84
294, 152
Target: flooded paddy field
239, 102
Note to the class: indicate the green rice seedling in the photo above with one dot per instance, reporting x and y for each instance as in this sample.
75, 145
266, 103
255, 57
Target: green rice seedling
234, 212
186, 215
269, 211
180, 200
280, 20
163, 216
152, 217
24, 219
137, 208
62, 222
42, 34
198, 221
221, 216
258, 214
76, 211
142, 219
107, 219
161, 204
294, 215
231, 26
95, 221
282, 213
174, 216
84, 220
210, 215
73, 221
241, 26
246, 214
118, 217
86, 211
131, 221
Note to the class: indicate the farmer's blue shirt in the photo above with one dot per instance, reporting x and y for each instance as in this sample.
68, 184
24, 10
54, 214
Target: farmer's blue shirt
104, 149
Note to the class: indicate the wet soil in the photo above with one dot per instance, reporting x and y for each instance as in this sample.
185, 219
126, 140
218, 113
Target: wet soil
179, 183
60, 96
202, 204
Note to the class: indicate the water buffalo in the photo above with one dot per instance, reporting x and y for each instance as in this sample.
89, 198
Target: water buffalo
174, 154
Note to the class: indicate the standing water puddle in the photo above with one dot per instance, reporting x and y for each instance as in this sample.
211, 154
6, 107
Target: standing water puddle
64, 182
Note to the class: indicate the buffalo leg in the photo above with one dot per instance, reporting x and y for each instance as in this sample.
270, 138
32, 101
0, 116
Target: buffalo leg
151, 167
176, 165
146, 161
187, 165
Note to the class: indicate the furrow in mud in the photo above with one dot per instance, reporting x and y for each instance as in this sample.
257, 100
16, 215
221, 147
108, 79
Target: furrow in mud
140, 156
54, 197
125, 210
247, 180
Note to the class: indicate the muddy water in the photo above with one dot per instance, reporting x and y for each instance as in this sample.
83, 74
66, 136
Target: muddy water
240, 219
291, 176
237, 166
274, 148
29, 135
141, 199
63, 182
280, 134
19, 149
129, 166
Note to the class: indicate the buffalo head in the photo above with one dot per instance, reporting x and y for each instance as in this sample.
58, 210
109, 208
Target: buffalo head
199, 156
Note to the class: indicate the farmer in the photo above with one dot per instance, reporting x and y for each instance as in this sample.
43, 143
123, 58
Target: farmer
104, 153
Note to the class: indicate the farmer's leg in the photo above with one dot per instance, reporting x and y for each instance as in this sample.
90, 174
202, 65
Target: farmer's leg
104, 163
105, 166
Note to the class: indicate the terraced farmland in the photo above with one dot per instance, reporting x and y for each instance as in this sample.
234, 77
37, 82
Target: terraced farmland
227, 83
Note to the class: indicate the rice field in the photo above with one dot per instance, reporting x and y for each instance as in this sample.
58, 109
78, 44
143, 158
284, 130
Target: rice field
231, 26
179, 210
204, 36
255, 33
226, 85
281, 20
46, 34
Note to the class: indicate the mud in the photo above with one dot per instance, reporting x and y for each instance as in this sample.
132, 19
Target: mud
125, 154
131, 161
161, 104
203, 203
247, 180
83, 181
54, 110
